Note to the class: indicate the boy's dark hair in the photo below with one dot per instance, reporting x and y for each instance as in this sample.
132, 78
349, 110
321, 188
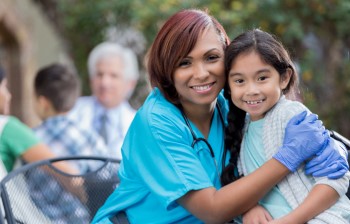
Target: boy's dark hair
59, 85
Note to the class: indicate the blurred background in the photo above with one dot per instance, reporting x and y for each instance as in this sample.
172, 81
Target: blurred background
35, 33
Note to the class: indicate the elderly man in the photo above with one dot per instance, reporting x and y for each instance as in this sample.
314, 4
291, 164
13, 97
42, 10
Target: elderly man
113, 72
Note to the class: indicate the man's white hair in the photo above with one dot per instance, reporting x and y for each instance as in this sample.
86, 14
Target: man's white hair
111, 49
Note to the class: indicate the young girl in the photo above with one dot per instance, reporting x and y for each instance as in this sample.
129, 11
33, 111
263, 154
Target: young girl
260, 77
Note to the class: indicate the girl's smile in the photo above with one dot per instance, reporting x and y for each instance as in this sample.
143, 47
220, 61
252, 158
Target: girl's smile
255, 85
251, 102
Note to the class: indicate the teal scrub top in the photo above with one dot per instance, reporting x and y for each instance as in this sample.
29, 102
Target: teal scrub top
159, 165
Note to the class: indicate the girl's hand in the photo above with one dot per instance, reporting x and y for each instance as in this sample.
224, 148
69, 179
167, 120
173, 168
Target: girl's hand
287, 219
257, 214
281, 221
276, 221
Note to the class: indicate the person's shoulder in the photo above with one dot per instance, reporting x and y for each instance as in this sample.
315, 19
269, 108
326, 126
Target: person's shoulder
78, 129
39, 128
155, 101
285, 109
14, 121
63, 124
126, 108
4, 119
83, 105
223, 103
84, 101
15, 127
55, 122
292, 106
3, 122
157, 108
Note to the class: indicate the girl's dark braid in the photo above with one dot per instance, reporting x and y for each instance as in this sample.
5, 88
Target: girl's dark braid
233, 140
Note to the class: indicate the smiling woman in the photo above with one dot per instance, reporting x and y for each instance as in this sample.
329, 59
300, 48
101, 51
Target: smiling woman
173, 152
199, 78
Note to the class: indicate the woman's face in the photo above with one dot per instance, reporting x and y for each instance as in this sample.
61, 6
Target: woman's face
200, 77
5, 98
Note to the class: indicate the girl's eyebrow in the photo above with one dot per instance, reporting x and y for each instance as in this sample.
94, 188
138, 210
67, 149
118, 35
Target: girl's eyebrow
262, 70
231, 74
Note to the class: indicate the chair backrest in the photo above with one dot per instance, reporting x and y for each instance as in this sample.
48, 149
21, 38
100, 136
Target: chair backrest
348, 193
40, 193
346, 143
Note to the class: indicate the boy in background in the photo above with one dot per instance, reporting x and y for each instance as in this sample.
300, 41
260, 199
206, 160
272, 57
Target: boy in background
56, 90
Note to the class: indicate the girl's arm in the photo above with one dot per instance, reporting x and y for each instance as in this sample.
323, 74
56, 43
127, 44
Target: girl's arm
220, 206
320, 198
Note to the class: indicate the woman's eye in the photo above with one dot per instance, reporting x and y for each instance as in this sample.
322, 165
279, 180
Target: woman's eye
184, 63
212, 57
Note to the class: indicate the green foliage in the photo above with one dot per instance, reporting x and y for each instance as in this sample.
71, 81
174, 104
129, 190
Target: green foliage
315, 32
84, 22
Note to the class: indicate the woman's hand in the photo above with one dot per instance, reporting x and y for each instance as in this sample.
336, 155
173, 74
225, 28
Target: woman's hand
331, 162
304, 137
257, 214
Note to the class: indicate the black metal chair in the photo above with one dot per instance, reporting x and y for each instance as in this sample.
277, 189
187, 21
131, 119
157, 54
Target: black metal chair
346, 142
348, 193
40, 193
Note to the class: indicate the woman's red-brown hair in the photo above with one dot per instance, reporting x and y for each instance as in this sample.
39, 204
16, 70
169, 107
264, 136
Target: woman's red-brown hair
174, 41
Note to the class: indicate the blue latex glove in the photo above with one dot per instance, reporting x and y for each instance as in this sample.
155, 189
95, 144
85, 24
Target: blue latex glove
331, 162
304, 137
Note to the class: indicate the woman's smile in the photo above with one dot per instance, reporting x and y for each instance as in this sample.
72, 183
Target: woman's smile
203, 88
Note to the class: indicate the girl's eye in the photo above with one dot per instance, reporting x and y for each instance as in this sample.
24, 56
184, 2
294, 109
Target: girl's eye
262, 78
238, 81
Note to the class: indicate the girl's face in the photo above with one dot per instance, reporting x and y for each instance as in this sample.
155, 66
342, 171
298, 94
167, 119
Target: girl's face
200, 77
255, 85
5, 98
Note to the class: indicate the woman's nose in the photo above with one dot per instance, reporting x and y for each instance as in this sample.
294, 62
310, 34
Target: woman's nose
201, 71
